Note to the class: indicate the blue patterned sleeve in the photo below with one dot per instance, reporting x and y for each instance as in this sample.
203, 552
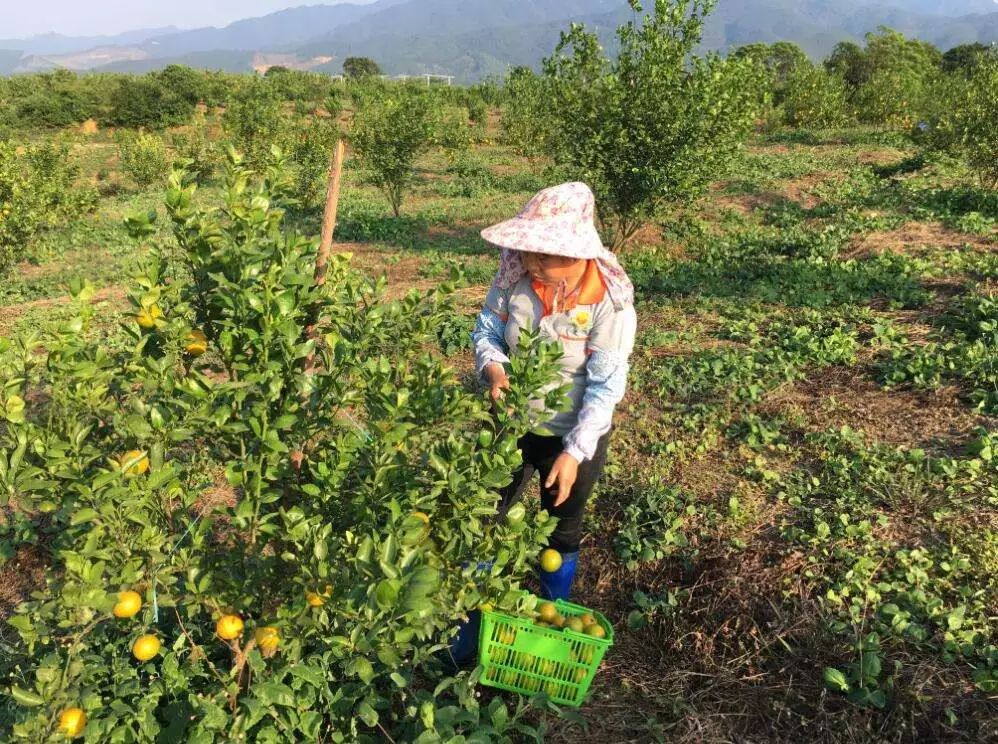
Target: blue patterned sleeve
606, 373
489, 339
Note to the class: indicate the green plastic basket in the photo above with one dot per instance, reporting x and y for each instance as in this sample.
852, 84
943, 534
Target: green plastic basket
522, 657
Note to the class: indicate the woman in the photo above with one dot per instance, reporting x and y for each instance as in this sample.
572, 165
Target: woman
556, 276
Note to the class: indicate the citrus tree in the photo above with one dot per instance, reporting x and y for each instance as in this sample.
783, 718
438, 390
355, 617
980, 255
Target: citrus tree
243, 546
814, 97
655, 125
142, 156
890, 78
392, 127
253, 119
38, 188
525, 123
964, 120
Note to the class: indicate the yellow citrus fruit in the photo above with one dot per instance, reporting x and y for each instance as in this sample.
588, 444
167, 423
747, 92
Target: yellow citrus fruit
229, 627
551, 688
550, 560
128, 605
547, 612
315, 599
580, 675
575, 623
134, 462
145, 647
147, 316
267, 640
197, 343
559, 621
72, 722
595, 630
588, 619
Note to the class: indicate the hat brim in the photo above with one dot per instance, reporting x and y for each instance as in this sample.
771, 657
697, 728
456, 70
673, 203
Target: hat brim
557, 237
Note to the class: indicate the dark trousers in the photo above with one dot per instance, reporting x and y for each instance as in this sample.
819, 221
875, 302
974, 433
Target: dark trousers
539, 454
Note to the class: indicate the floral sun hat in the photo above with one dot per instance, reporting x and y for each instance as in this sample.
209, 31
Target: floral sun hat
558, 221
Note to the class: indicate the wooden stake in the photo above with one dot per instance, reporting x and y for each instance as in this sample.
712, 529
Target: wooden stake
329, 216
321, 262
326, 237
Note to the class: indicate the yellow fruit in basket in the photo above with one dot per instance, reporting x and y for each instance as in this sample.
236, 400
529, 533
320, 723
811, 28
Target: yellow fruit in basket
551, 688
550, 560
559, 621
595, 630
72, 722
588, 619
547, 612
586, 655
128, 605
574, 623
507, 636
580, 675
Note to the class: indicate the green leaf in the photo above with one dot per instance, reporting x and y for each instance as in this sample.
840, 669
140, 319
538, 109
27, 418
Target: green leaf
83, 515
954, 621
26, 698
274, 693
308, 674
367, 714
836, 680
387, 593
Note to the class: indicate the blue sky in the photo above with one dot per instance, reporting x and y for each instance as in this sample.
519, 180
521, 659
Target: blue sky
20, 18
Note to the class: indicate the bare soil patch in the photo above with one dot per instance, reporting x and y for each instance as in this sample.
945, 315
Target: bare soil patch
832, 398
915, 237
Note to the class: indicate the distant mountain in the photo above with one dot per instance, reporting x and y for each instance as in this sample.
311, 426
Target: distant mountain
270, 32
452, 36
474, 38
58, 44
952, 8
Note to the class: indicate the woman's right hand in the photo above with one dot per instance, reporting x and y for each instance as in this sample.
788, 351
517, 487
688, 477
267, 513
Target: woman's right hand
497, 379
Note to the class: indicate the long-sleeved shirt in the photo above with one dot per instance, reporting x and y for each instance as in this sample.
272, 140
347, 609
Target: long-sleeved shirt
597, 339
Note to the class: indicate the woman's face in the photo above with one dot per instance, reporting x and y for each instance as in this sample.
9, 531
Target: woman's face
549, 269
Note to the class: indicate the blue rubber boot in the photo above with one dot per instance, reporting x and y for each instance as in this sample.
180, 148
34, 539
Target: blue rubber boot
558, 584
464, 647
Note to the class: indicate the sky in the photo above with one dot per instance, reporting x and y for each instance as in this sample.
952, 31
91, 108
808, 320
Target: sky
22, 18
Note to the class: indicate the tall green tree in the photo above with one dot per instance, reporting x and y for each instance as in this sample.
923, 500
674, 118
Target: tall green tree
964, 120
655, 125
360, 67
849, 61
965, 58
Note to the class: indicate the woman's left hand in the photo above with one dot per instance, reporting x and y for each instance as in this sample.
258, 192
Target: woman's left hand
564, 472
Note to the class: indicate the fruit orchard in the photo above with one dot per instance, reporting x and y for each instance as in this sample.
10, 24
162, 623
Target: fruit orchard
205, 536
